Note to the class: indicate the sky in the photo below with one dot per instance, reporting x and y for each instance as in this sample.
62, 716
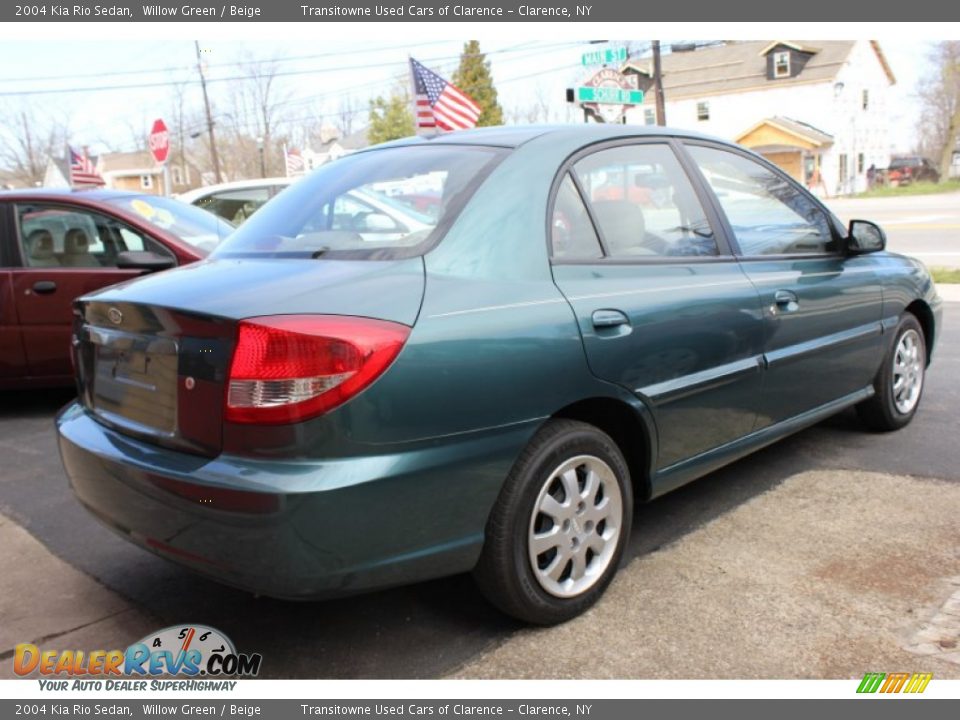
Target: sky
318, 77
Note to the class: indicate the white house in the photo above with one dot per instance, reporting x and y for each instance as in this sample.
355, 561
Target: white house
333, 146
819, 110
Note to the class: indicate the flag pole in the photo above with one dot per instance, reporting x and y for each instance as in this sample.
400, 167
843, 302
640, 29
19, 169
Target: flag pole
413, 95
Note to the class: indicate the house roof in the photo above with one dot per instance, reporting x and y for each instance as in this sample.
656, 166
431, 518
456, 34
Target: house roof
740, 66
807, 134
356, 140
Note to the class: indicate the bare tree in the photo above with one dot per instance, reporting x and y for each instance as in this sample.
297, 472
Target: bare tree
30, 141
346, 112
255, 123
939, 94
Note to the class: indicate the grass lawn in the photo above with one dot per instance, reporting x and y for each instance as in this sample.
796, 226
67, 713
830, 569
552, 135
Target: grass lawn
920, 188
945, 275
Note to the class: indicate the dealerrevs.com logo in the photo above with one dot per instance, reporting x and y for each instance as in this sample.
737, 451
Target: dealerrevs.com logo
179, 651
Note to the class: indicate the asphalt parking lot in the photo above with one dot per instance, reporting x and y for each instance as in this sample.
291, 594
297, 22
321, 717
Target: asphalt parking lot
826, 555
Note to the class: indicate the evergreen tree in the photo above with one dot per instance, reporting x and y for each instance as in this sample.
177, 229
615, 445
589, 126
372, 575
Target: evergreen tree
390, 119
473, 77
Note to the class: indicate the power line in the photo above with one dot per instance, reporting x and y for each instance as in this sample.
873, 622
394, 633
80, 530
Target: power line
232, 78
234, 63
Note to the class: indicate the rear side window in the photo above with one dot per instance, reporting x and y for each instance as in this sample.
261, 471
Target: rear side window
381, 204
644, 203
768, 213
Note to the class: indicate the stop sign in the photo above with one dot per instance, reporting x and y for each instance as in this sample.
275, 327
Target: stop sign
159, 141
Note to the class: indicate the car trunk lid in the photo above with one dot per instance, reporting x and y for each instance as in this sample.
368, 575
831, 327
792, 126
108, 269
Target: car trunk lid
152, 356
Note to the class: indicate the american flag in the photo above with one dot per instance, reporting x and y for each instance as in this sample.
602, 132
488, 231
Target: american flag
82, 171
440, 104
294, 161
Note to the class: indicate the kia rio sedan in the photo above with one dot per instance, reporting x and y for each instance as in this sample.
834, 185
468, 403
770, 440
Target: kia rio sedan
596, 316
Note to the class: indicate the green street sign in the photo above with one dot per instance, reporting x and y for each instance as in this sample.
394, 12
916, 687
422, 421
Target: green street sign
604, 57
609, 95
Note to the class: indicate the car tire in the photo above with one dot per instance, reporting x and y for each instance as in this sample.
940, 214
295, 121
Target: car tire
537, 523
899, 382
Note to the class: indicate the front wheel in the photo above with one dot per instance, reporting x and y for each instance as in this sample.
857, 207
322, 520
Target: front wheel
899, 382
556, 534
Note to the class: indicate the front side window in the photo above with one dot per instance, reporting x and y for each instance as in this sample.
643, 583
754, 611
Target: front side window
768, 213
644, 204
367, 205
53, 236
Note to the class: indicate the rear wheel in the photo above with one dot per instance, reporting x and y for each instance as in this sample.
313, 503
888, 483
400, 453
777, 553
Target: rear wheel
899, 382
556, 535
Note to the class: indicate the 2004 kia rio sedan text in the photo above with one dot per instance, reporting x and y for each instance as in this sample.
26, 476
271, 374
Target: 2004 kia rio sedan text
333, 403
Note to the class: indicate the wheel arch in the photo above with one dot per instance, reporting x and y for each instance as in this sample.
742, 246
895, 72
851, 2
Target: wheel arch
630, 427
920, 310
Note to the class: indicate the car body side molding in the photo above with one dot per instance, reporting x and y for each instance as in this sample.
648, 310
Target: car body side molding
678, 474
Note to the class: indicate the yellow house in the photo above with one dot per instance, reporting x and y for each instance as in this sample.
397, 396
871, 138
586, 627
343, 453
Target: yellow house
796, 147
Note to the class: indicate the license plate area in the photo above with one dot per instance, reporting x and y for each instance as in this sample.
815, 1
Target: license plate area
134, 380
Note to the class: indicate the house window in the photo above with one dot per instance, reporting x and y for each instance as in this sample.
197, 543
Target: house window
843, 169
865, 99
176, 175
649, 116
860, 163
703, 111
146, 181
781, 64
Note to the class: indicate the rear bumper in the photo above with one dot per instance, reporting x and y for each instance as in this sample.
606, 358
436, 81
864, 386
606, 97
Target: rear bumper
295, 529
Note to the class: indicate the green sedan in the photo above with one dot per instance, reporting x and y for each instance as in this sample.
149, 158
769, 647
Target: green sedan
593, 316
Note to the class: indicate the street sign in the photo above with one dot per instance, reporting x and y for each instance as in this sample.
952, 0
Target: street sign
159, 141
609, 95
606, 56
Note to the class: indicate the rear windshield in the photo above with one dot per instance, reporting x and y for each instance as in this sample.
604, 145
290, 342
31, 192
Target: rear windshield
199, 228
381, 204
905, 162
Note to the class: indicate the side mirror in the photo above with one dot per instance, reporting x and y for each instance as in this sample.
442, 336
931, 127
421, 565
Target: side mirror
144, 260
865, 237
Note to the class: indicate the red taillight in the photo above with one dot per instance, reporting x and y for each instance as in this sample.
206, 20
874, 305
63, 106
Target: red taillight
287, 368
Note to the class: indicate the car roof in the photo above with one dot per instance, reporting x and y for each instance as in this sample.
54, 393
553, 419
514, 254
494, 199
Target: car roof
191, 195
517, 135
100, 194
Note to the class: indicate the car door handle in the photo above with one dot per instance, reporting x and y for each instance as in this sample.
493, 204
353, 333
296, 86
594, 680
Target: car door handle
609, 319
44, 287
786, 300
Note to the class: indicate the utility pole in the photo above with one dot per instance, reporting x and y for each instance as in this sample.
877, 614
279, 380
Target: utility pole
658, 84
206, 104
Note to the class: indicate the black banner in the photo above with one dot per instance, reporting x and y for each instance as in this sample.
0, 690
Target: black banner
477, 11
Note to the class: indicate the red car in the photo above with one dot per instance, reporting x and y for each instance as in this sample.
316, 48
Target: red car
56, 245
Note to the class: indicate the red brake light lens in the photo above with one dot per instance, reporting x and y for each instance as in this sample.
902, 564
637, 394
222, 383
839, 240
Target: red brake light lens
288, 368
